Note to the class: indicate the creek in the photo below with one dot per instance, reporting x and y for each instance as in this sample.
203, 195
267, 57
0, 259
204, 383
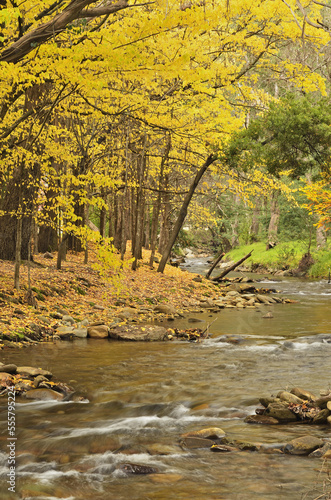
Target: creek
140, 397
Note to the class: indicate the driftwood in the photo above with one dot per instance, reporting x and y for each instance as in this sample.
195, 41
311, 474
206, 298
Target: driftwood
214, 264
231, 268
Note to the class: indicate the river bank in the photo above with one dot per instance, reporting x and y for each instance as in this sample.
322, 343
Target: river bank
78, 301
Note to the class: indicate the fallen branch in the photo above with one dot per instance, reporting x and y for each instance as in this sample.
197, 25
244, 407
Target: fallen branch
214, 264
231, 268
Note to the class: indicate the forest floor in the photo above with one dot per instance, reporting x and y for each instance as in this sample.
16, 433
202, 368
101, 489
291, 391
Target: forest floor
82, 291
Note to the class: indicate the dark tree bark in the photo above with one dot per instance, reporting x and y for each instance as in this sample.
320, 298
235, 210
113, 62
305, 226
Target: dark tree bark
75, 10
157, 204
183, 212
165, 217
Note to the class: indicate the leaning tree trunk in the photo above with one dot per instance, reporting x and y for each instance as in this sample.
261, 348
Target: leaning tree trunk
183, 212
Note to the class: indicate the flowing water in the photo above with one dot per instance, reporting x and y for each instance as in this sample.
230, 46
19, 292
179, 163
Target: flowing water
141, 397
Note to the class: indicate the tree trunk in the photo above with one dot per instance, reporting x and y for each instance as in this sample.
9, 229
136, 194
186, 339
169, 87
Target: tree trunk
62, 251
255, 224
103, 222
235, 224
165, 218
157, 204
320, 237
183, 212
18, 252
274, 218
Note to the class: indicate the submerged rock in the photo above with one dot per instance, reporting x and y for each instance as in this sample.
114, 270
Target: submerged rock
192, 443
222, 448
261, 419
212, 433
137, 469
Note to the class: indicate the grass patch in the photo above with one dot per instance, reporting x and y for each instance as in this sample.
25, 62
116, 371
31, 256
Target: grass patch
286, 255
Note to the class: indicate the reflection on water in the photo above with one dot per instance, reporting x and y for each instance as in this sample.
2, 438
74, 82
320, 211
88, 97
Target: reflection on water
142, 397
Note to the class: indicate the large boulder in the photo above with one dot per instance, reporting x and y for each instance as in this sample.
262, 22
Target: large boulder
98, 332
139, 333
44, 395
303, 445
280, 412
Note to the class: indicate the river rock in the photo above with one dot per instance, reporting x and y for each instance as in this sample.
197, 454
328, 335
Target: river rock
262, 299
38, 380
4, 376
24, 385
192, 443
164, 309
212, 433
261, 419
44, 395
269, 315
322, 452
68, 319
137, 469
321, 417
138, 333
301, 393
8, 368
80, 332
128, 313
280, 412
322, 402
303, 445
222, 448
289, 397
65, 332
266, 401
98, 332
33, 372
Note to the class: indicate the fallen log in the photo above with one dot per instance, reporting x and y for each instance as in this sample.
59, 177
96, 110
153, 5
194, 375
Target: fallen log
214, 264
231, 268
